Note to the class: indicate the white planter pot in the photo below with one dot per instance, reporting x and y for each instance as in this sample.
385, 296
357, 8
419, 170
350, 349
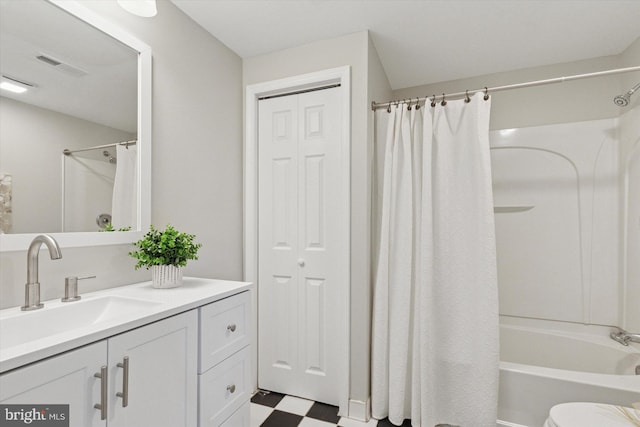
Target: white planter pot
166, 276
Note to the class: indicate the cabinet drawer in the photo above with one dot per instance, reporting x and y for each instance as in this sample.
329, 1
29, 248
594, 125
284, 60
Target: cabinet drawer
224, 329
225, 388
240, 418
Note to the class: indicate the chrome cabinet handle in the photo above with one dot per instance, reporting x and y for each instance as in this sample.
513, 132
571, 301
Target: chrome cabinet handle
231, 388
102, 406
231, 327
125, 381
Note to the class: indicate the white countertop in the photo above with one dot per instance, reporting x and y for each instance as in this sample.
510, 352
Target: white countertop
194, 292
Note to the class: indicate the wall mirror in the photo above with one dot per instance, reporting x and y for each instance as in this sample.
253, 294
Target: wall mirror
76, 144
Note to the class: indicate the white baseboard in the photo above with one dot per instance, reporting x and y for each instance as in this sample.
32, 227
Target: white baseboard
501, 423
359, 410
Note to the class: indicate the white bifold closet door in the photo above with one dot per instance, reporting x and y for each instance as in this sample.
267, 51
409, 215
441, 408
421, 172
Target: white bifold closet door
299, 237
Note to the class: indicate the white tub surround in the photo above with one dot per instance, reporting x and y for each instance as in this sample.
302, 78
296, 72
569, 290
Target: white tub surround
562, 197
548, 364
558, 256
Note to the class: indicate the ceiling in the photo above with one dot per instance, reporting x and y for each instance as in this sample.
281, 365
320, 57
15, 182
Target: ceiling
96, 78
428, 41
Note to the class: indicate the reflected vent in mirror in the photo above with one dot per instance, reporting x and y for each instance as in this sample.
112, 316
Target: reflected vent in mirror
61, 65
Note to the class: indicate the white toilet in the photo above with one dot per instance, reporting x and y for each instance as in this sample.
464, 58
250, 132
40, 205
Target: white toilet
582, 414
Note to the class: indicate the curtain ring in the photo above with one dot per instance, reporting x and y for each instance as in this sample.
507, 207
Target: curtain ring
408, 104
443, 103
486, 94
433, 101
389, 108
467, 99
417, 103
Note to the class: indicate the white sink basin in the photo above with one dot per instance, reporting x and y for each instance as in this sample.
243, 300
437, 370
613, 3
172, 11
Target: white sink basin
21, 328
30, 336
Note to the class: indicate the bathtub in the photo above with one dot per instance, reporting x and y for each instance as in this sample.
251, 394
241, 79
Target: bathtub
541, 367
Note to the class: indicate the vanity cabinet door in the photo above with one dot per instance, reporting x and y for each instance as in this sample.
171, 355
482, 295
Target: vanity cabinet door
65, 379
161, 387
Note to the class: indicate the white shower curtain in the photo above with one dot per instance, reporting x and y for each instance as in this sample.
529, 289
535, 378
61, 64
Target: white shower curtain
124, 205
435, 315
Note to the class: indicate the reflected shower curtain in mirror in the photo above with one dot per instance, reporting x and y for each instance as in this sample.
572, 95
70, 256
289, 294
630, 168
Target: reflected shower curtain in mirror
435, 312
124, 206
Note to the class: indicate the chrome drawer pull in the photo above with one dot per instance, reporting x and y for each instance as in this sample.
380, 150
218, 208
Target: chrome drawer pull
102, 406
231, 327
231, 388
125, 381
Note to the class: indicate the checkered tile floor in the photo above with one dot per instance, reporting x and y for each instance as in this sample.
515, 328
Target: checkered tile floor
270, 409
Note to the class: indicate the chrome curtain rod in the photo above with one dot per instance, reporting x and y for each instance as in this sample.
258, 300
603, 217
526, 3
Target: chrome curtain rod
68, 152
375, 105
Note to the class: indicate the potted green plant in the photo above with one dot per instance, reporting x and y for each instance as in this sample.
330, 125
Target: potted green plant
166, 253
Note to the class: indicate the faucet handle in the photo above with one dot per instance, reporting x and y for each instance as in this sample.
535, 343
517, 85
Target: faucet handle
71, 288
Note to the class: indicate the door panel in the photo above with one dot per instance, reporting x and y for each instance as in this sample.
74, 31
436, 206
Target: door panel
299, 239
285, 323
313, 237
284, 173
315, 337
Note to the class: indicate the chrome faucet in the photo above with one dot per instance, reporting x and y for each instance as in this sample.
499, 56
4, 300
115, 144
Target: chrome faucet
624, 337
32, 287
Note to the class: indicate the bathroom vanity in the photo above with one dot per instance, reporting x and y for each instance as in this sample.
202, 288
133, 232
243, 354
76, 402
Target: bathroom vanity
135, 356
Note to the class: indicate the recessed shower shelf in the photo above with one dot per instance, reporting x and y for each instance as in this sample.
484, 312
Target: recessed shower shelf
511, 209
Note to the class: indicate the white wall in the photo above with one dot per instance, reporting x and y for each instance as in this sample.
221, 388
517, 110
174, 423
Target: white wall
630, 57
197, 159
31, 143
378, 88
580, 100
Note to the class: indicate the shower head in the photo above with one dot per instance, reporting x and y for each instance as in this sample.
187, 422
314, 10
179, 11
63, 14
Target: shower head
623, 100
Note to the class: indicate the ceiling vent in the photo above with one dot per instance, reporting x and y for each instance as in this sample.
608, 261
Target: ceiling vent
61, 66
18, 81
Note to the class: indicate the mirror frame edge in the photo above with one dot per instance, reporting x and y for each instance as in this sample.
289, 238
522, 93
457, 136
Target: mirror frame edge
21, 241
